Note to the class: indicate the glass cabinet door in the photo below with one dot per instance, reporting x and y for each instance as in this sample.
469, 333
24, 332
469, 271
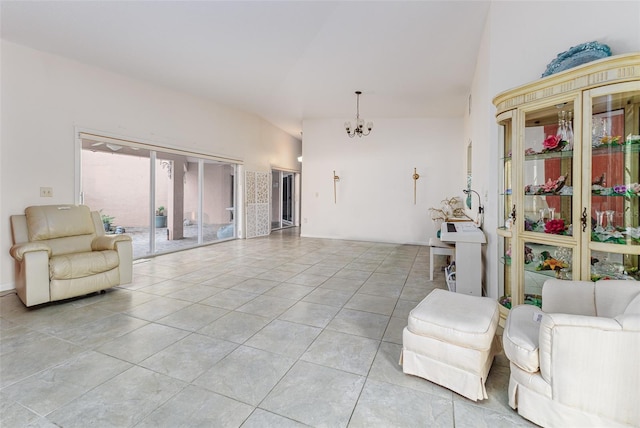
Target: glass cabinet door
506, 210
541, 262
506, 138
614, 199
548, 170
505, 276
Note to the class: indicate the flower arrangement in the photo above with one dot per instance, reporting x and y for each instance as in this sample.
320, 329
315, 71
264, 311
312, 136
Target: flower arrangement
550, 187
633, 233
555, 227
553, 143
610, 140
612, 237
507, 257
533, 299
528, 254
549, 263
633, 139
451, 208
529, 225
629, 191
505, 301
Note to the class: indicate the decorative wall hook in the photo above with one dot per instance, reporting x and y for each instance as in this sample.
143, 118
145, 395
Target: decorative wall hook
335, 180
415, 177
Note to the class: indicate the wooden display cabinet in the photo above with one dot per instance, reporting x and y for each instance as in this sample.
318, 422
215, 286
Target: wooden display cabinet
570, 164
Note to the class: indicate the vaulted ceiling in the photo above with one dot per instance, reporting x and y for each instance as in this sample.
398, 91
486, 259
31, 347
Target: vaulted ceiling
283, 60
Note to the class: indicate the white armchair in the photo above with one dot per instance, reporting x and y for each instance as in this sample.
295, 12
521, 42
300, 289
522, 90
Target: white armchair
576, 362
61, 251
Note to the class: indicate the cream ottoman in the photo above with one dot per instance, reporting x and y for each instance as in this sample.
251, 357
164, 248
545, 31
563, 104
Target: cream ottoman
450, 340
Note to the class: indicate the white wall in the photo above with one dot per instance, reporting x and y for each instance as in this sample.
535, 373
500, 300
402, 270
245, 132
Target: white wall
520, 39
375, 191
44, 97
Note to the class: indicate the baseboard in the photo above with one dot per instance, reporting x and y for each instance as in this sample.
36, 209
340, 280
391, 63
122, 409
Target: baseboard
372, 240
7, 286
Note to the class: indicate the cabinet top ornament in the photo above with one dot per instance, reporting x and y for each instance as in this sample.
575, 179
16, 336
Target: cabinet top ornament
613, 69
576, 56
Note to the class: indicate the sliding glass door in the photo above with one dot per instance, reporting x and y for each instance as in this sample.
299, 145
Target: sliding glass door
166, 200
282, 199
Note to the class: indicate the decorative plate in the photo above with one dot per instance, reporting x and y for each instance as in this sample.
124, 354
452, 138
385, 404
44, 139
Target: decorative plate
577, 55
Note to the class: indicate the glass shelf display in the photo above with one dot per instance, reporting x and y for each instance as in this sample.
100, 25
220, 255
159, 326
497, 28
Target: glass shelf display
615, 169
570, 187
541, 262
606, 266
548, 169
506, 150
505, 277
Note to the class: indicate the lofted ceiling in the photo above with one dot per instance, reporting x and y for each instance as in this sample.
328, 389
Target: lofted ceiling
283, 60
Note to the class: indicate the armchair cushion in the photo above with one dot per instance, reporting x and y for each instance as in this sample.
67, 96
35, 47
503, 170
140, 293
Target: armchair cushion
569, 297
79, 265
612, 301
520, 338
634, 306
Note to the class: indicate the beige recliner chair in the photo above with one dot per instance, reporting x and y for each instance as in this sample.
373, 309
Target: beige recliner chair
576, 362
61, 251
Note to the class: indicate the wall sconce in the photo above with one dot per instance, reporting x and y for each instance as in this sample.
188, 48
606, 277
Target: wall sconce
335, 180
415, 177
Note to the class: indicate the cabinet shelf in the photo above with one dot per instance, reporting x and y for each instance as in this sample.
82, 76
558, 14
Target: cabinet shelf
607, 149
548, 194
566, 154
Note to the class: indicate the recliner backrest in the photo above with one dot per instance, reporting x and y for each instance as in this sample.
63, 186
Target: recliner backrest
65, 228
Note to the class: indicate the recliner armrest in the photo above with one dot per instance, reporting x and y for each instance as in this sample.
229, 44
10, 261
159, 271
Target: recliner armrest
18, 251
108, 242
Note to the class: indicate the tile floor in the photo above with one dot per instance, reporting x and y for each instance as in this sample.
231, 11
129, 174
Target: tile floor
271, 332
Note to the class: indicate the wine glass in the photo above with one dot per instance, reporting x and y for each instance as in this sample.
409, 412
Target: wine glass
600, 219
569, 130
552, 213
541, 220
610, 226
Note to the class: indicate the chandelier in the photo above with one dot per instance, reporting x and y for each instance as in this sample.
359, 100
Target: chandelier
359, 128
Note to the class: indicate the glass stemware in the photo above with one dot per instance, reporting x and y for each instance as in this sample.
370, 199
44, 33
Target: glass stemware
552, 213
541, 220
569, 130
610, 226
596, 132
600, 219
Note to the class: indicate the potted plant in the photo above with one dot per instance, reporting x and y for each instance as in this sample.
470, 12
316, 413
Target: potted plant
106, 221
161, 218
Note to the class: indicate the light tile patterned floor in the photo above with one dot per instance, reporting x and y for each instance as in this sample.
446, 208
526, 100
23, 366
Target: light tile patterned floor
270, 332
